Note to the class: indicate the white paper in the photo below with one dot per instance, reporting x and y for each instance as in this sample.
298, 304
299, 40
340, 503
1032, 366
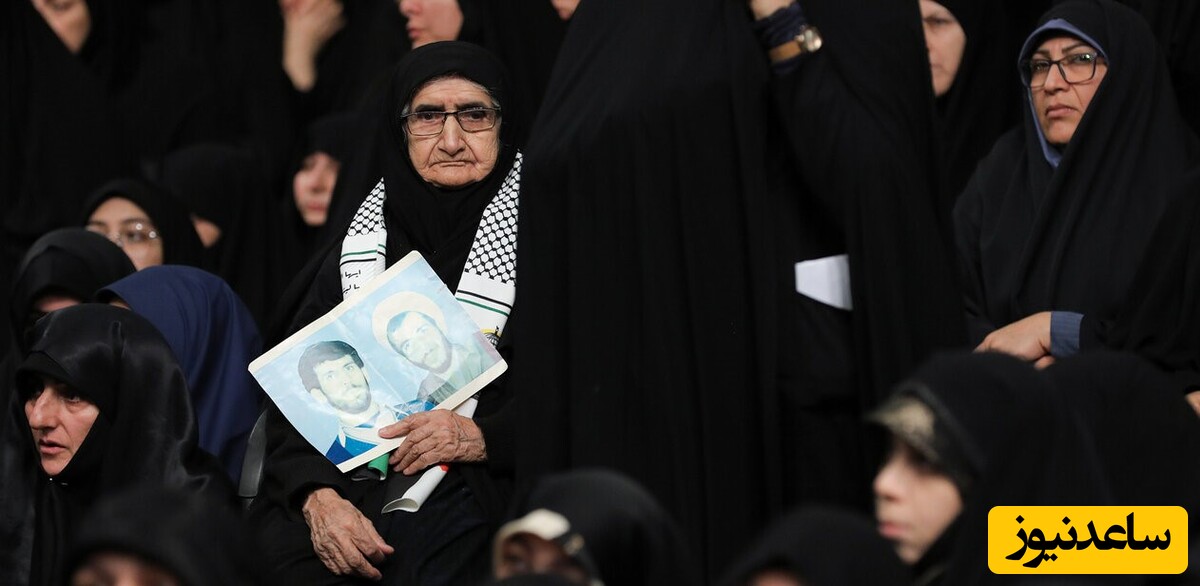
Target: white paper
826, 280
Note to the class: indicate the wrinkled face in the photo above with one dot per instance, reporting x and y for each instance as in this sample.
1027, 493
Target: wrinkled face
70, 20
118, 569
1060, 105
454, 158
946, 40
565, 8
344, 384
128, 226
419, 340
525, 553
431, 20
313, 187
60, 420
914, 502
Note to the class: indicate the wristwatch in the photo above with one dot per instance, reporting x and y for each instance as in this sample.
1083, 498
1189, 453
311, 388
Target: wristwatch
807, 40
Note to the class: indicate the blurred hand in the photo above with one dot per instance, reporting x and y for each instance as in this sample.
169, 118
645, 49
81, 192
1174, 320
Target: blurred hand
1193, 399
434, 437
342, 537
307, 26
1027, 339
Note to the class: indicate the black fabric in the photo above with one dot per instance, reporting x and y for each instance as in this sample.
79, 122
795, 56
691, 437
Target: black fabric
636, 333
628, 538
294, 468
224, 185
1023, 443
1033, 237
1144, 431
859, 121
822, 546
197, 540
1175, 23
67, 261
1159, 320
985, 98
180, 243
145, 431
526, 36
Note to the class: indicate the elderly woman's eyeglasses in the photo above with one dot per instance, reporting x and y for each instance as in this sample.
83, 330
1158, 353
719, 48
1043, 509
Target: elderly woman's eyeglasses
428, 123
130, 234
1074, 69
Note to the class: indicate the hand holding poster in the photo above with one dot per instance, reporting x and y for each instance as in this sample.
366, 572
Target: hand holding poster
400, 346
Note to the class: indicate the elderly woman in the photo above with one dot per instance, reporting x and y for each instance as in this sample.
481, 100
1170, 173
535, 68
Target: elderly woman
448, 190
1056, 219
106, 407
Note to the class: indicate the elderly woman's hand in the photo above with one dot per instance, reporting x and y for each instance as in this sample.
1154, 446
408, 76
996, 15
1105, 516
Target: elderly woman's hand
434, 437
1027, 339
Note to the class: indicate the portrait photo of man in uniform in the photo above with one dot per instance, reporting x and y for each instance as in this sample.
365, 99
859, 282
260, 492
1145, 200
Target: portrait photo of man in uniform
413, 326
333, 374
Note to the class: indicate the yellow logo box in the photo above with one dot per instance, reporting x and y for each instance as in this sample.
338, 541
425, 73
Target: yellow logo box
1087, 540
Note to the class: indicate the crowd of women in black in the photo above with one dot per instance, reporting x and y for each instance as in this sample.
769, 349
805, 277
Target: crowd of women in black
806, 287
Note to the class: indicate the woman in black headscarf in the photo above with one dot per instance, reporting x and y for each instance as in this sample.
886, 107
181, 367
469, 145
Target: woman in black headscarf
602, 527
1057, 218
146, 221
970, 432
170, 533
226, 195
63, 267
819, 546
107, 407
448, 190
982, 99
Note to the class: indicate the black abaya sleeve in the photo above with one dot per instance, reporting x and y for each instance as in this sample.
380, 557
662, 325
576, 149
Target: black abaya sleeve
859, 116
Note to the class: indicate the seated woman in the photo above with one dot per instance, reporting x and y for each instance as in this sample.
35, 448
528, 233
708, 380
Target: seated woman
146, 221
449, 185
594, 527
62, 268
214, 338
107, 407
1056, 219
819, 546
969, 432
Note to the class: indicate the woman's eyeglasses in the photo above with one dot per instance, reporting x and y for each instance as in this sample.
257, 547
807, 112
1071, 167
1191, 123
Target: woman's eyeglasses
1073, 68
431, 123
131, 233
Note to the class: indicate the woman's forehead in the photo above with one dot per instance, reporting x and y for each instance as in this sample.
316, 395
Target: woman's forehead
451, 91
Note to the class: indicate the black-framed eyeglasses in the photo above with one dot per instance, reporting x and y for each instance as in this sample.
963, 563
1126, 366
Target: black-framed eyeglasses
131, 233
427, 123
1076, 68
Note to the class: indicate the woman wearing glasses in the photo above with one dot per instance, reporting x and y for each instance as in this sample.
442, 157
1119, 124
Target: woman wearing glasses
1055, 220
147, 222
447, 181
